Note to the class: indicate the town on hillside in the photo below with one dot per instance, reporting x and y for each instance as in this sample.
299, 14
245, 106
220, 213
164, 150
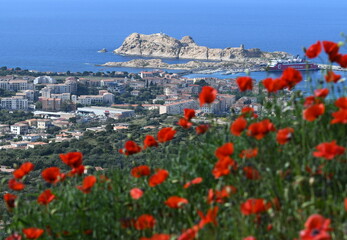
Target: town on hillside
47, 108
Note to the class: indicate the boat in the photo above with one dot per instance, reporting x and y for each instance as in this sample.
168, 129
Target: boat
296, 63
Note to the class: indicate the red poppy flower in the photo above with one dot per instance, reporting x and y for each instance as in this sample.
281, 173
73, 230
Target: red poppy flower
332, 77
10, 200
291, 77
46, 197
273, 85
72, 159
284, 135
33, 233
342, 60
184, 123
189, 234
222, 167
332, 49
140, 171
136, 193
341, 103
158, 236
313, 112
322, 93
88, 183
245, 83
130, 148
339, 117
197, 180
158, 178
149, 142
238, 126
316, 228
145, 221
176, 202
51, 175
249, 153
258, 130
207, 95
224, 151
14, 185
78, 170
88, 232
23, 170
201, 129
14, 236
251, 173
166, 134
210, 217
189, 113
345, 203
311, 100
219, 196
250, 238
314, 50
253, 206
328, 150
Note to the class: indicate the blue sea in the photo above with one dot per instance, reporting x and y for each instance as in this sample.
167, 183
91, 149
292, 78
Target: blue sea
62, 35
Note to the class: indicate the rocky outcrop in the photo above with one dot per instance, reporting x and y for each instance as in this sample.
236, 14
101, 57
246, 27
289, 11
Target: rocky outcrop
163, 46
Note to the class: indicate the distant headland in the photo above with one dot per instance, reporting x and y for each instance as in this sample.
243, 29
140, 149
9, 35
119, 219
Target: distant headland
160, 45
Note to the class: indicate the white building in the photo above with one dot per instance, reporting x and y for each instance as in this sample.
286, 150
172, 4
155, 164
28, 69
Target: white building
44, 79
178, 107
19, 129
14, 103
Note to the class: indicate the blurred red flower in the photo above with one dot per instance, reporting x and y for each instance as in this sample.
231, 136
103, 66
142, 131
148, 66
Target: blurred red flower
250, 238
313, 112
184, 123
23, 170
328, 150
166, 134
33, 233
249, 153
145, 221
189, 113
237, 127
332, 49
46, 197
207, 95
224, 151
258, 130
339, 117
273, 85
193, 182
251, 173
14, 236
291, 77
130, 148
201, 129
342, 60
51, 175
245, 83
332, 77
284, 135
14, 185
341, 103
176, 202
210, 217
189, 234
10, 200
322, 93
78, 170
88, 183
219, 196
72, 159
316, 228
222, 167
149, 142
140, 171
314, 50
136, 193
158, 178
254, 206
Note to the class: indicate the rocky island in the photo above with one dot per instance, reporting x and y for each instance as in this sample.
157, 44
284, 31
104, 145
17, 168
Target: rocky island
163, 46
